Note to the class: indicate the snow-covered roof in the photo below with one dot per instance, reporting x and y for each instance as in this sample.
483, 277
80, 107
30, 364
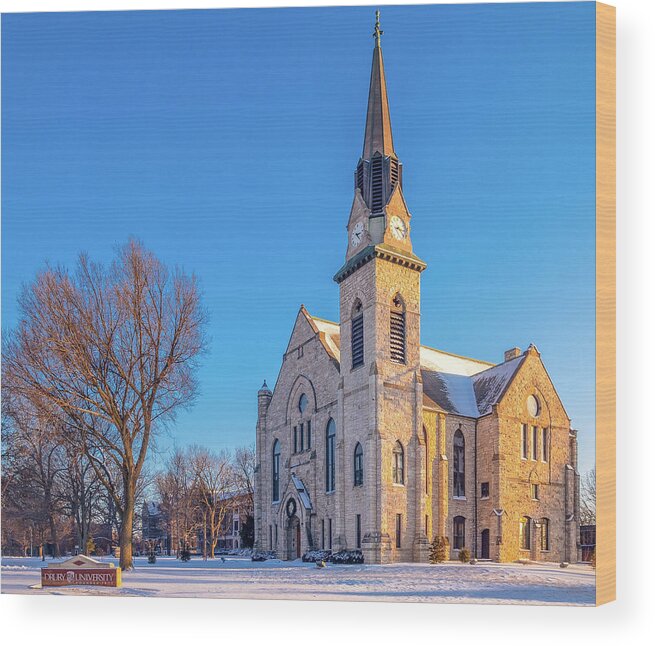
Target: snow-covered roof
490, 384
440, 361
459, 385
453, 393
330, 336
302, 492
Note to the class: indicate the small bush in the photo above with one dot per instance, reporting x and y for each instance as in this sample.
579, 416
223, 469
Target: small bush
313, 556
439, 549
464, 555
347, 557
185, 555
262, 555
152, 558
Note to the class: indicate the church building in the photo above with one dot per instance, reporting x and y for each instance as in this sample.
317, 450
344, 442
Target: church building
371, 441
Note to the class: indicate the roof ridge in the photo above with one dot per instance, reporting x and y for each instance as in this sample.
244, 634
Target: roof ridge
460, 356
318, 318
497, 365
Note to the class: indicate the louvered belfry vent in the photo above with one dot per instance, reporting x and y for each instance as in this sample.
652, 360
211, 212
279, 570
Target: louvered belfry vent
357, 342
359, 176
377, 201
397, 331
378, 170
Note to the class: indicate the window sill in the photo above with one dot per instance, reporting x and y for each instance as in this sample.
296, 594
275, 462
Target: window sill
459, 497
484, 497
398, 484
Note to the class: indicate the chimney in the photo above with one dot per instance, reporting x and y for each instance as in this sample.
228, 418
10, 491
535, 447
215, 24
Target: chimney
512, 353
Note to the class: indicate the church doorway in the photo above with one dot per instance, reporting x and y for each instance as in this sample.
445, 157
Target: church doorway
293, 538
484, 551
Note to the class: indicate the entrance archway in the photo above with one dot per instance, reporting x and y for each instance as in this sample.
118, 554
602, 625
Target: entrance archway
293, 538
484, 551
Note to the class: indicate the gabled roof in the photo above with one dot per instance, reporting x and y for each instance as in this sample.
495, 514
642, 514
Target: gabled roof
451, 383
466, 393
490, 385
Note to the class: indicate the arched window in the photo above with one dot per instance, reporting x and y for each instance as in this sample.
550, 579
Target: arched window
459, 488
276, 471
398, 464
545, 534
302, 403
524, 532
427, 461
459, 532
330, 436
359, 465
357, 335
397, 330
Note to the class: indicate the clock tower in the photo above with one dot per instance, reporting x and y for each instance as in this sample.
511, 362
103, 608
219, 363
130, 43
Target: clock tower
381, 394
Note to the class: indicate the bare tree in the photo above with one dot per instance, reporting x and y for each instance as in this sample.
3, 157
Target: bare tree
244, 472
115, 349
81, 494
33, 489
175, 488
588, 498
213, 486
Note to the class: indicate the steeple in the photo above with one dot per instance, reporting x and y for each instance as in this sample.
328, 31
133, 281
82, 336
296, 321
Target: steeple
377, 136
379, 222
378, 170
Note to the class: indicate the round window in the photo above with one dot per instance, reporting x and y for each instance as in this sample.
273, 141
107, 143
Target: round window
302, 403
533, 406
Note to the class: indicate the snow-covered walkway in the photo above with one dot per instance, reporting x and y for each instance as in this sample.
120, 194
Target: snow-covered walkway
240, 578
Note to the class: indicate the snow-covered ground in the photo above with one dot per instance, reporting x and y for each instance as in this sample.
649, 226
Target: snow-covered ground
240, 578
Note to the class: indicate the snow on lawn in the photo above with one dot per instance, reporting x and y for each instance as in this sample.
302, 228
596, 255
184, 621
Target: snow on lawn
240, 578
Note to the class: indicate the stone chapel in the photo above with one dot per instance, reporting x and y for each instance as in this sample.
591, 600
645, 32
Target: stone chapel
371, 441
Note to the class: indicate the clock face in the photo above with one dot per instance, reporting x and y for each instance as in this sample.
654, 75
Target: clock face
357, 234
398, 228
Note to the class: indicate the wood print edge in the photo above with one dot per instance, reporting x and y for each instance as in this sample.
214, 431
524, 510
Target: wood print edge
605, 303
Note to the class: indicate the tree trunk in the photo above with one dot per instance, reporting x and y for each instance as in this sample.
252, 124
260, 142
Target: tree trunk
127, 523
53, 536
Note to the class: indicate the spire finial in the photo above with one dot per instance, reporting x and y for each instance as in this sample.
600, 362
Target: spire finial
377, 32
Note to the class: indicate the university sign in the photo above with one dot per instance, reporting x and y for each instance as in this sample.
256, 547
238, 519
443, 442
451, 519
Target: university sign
81, 570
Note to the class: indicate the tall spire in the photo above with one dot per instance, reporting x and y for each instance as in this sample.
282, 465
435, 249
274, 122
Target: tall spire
377, 136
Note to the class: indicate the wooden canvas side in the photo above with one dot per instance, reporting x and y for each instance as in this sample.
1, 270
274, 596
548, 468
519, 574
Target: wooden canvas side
605, 303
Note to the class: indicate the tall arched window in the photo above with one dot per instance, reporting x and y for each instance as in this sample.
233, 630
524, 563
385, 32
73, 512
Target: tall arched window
545, 534
359, 465
276, 471
357, 335
459, 488
427, 461
524, 532
330, 437
398, 464
459, 532
397, 330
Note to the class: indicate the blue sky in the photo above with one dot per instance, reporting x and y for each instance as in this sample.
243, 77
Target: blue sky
226, 141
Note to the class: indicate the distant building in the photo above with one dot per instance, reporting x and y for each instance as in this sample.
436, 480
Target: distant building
371, 440
239, 508
153, 527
